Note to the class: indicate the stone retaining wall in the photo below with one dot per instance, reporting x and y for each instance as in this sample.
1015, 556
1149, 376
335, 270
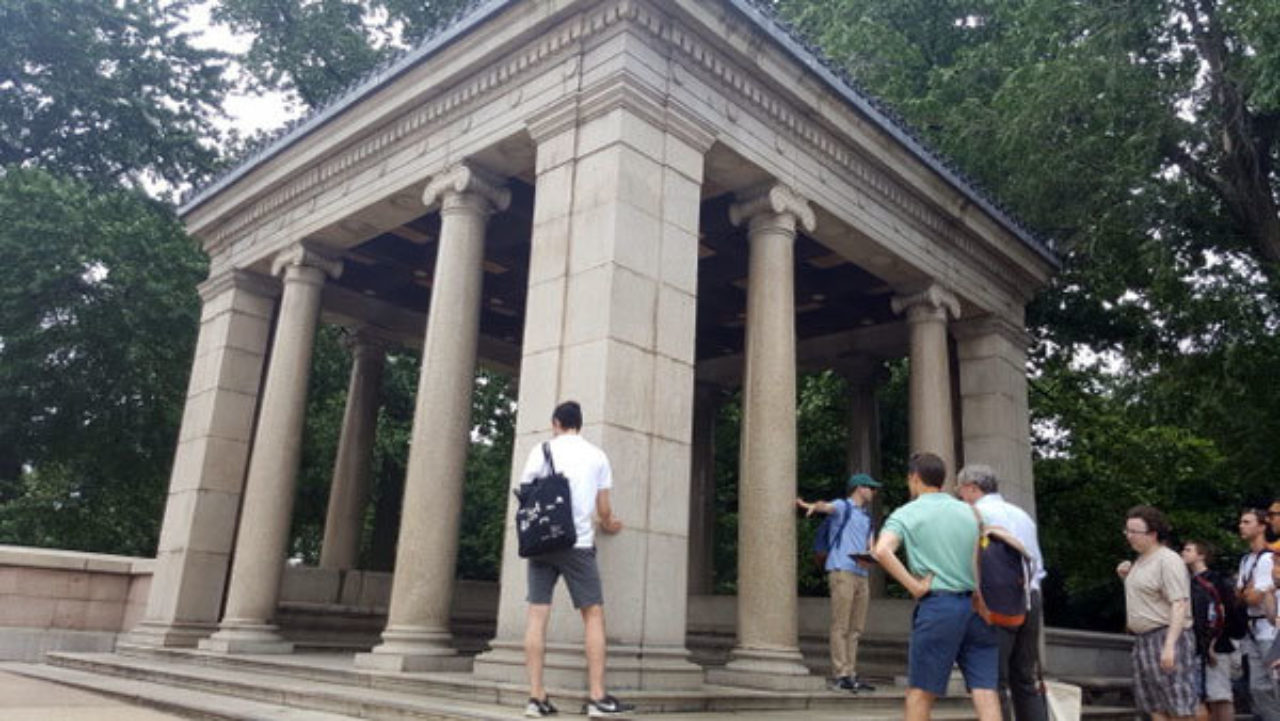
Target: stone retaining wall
67, 600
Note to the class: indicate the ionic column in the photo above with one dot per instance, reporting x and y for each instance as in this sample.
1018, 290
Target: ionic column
417, 636
702, 496
277, 444
767, 652
995, 423
349, 491
932, 424
209, 464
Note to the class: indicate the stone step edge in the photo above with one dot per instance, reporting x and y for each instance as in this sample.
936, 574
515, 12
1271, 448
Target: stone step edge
214, 705
182, 701
455, 685
508, 696
290, 692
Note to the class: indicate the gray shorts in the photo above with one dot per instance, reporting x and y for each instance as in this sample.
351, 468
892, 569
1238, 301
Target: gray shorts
577, 565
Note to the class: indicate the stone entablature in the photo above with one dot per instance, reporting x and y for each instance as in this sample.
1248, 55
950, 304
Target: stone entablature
765, 105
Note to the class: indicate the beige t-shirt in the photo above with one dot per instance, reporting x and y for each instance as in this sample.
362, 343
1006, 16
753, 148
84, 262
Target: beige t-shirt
1154, 582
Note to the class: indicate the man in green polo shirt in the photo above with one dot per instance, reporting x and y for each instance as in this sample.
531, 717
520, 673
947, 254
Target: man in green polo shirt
940, 533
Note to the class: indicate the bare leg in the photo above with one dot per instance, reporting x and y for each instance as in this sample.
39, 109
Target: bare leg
593, 621
1222, 711
535, 643
986, 702
920, 704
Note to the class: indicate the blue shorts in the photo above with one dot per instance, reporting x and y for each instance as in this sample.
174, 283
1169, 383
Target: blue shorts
946, 631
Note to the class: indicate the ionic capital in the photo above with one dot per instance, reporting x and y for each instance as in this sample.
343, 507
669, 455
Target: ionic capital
306, 255
462, 179
367, 343
932, 303
776, 199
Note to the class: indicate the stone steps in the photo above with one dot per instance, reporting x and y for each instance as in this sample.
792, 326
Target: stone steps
328, 682
326, 686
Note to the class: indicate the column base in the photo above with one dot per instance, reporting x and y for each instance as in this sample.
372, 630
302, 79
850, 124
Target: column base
414, 650
240, 637
773, 669
647, 668
157, 634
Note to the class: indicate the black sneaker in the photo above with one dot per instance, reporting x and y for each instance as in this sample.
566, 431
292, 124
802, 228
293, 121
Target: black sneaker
859, 685
840, 683
607, 707
540, 709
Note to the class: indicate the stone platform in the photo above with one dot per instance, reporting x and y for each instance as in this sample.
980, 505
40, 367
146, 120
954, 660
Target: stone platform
327, 687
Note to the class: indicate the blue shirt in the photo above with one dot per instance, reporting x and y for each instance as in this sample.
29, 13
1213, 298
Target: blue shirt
853, 539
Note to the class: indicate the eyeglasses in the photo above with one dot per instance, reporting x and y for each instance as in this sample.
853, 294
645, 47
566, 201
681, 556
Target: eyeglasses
1131, 532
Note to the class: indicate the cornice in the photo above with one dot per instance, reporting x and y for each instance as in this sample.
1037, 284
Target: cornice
988, 325
418, 123
238, 279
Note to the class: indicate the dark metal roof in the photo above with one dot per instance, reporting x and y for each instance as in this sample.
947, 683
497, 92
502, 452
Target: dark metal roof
759, 12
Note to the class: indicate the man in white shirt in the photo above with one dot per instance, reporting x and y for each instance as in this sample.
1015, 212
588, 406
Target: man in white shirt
590, 479
1255, 588
1019, 647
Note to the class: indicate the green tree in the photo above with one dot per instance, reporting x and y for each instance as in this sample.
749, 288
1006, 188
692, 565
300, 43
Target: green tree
111, 92
1141, 137
98, 314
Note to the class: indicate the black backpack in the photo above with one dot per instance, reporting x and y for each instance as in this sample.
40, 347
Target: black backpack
544, 520
1208, 613
1001, 572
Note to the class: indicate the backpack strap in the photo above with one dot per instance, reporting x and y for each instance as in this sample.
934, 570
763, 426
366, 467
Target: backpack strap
977, 548
833, 540
546, 454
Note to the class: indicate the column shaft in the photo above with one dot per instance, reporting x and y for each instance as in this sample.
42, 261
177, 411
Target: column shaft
768, 650
417, 636
349, 491
702, 497
270, 488
932, 421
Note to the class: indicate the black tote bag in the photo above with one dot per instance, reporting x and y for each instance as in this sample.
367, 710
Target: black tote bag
544, 520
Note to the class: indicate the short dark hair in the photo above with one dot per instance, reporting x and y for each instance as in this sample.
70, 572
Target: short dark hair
931, 469
1259, 514
1154, 519
568, 415
1204, 548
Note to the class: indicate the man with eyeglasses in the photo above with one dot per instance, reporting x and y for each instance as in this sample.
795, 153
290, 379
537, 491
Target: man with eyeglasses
1157, 594
1256, 589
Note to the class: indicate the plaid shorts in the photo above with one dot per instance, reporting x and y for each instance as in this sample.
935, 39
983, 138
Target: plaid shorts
1159, 691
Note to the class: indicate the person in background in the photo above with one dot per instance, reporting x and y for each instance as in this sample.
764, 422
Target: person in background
850, 527
1256, 590
1157, 594
1019, 647
1211, 597
940, 534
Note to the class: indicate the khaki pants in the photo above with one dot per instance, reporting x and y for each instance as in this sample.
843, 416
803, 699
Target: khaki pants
849, 600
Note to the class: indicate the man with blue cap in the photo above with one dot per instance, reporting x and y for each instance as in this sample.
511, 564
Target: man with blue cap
847, 530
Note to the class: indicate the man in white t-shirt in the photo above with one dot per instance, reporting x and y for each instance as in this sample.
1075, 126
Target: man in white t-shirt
590, 479
1021, 695
1256, 589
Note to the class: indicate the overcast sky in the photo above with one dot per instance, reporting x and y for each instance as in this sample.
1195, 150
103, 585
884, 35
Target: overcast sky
248, 113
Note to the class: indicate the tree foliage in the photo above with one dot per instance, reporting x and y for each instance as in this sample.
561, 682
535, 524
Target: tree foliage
98, 314
1140, 137
111, 92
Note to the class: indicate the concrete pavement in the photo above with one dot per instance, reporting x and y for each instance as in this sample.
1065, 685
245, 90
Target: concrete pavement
29, 699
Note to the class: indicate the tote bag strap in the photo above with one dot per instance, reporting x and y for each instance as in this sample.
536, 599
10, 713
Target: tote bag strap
546, 453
